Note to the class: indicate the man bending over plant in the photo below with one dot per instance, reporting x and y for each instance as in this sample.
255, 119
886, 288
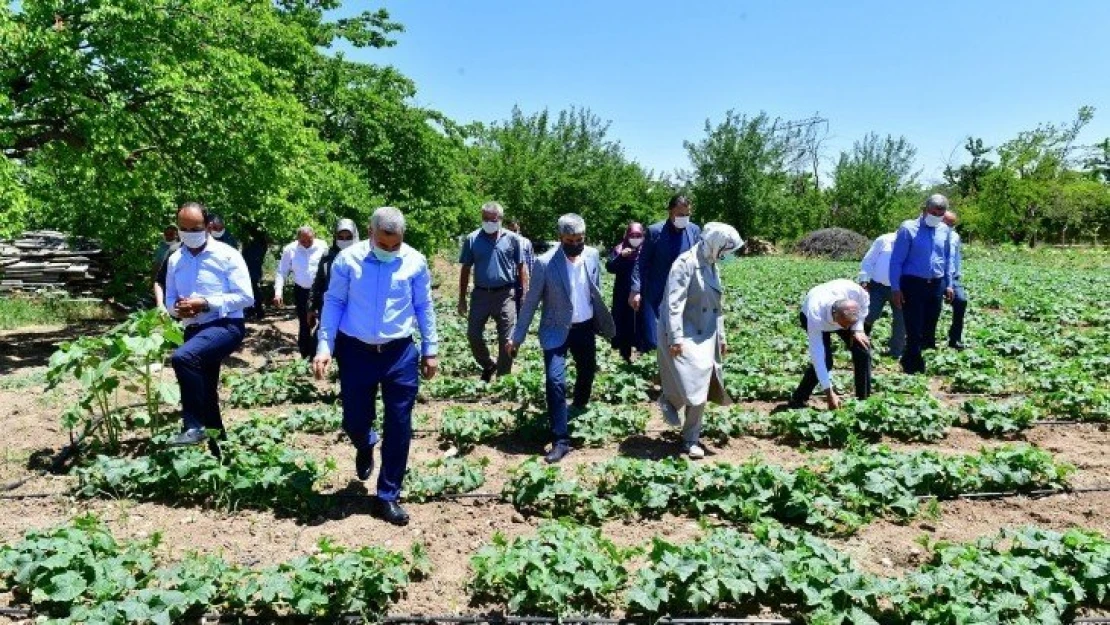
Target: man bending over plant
836, 306
380, 292
207, 287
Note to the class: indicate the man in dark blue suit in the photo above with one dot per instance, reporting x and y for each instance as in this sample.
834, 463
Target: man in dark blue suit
664, 242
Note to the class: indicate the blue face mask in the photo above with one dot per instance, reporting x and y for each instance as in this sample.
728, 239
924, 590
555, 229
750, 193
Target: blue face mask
384, 256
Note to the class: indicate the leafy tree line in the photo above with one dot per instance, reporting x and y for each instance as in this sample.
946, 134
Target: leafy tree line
114, 111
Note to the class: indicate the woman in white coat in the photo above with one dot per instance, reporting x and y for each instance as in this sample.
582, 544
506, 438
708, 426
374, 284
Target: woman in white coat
691, 334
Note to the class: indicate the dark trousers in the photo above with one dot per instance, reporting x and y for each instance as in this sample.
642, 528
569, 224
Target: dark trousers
197, 365
484, 304
363, 369
306, 336
582, 344
861, 366
959, 308
649, 324
920, 309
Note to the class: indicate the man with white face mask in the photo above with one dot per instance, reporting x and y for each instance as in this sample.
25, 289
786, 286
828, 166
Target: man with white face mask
664, 242
346, 235
218, 230
207, 288
302, 259
496, 257
921, 271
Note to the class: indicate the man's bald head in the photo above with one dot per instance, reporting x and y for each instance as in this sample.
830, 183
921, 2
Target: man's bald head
845, 313
951, 219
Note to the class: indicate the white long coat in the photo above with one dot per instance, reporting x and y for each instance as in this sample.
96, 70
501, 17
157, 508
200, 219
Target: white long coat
692, 310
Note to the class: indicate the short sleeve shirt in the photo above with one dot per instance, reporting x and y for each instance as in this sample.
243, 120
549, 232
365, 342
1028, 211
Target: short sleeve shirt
495, 260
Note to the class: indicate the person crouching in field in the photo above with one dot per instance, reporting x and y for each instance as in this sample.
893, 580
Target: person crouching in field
691, 334
837, 307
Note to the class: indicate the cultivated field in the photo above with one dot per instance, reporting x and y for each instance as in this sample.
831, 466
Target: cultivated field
817, 516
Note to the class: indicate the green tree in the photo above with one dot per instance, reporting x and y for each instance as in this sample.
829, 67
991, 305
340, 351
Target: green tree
742, 175
540, 168
967, 179
875, 185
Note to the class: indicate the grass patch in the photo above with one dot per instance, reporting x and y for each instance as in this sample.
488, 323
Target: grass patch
20, 311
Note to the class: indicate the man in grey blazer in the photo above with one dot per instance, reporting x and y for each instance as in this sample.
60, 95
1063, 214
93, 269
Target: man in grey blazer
567, 280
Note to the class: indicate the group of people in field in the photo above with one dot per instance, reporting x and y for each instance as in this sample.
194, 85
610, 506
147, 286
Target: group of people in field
361, 303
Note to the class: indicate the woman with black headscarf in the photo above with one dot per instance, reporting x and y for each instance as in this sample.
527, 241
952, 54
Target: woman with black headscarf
622, 260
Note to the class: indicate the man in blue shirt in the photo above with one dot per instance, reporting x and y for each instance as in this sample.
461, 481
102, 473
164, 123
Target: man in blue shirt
920, 275
207, 287
380, 293
497, 259
959, 295
664, 242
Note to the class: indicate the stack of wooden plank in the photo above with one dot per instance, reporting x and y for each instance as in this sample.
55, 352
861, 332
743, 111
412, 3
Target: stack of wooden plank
46, 259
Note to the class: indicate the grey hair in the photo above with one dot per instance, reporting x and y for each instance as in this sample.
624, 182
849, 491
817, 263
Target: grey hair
388, 220
572, 224
936, 200
306, 230
494, 207
847, 309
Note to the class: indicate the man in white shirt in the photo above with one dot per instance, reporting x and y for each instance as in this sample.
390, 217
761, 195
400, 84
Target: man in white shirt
567, 282
207, 288
835, 306
874, 275
302, 258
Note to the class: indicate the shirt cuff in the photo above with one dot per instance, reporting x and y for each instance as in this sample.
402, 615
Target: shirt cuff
323, 349
429, 349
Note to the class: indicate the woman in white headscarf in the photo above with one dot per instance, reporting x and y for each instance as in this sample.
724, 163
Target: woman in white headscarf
692, 334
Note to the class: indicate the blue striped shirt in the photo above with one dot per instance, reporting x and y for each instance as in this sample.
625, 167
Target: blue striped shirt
378, 302
218, 274
922, 252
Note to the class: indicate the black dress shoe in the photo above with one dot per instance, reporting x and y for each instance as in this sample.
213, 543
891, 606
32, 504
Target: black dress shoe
557, 453
389, 511
188, 438
364, 463
487, 375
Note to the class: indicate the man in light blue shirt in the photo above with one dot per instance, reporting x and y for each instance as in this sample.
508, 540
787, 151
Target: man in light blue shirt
380, 292
920, 275
207, 287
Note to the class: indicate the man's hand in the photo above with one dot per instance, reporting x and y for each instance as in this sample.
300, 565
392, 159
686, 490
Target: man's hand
724, 349
634, 301
866, 286
320, 365
676, 350
862, 339
189, 307
312, 319
461, 308
949, 294
897, 300
510, 348
832, 399
277, 302
626, 252
429, 367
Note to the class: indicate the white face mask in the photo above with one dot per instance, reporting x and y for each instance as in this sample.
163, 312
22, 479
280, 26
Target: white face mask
344, 244
681, 221
933, 221
491, 227
635, 241
384, 256
193, 240
219, 234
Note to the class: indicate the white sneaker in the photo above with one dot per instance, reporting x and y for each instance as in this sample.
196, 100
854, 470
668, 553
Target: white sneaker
670, 413
694, 451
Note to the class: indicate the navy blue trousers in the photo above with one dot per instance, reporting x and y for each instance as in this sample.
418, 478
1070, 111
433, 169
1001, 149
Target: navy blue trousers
197, 365
395, 370
581, 343
959, 308
920, 310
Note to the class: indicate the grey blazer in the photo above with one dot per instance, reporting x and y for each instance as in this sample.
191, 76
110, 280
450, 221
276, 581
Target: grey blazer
550, 284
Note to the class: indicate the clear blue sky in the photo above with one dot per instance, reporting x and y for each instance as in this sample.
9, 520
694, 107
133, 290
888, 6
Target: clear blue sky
932, 71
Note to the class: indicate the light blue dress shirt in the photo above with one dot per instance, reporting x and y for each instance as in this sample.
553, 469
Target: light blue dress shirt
378, 302
218, 274
921, 251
